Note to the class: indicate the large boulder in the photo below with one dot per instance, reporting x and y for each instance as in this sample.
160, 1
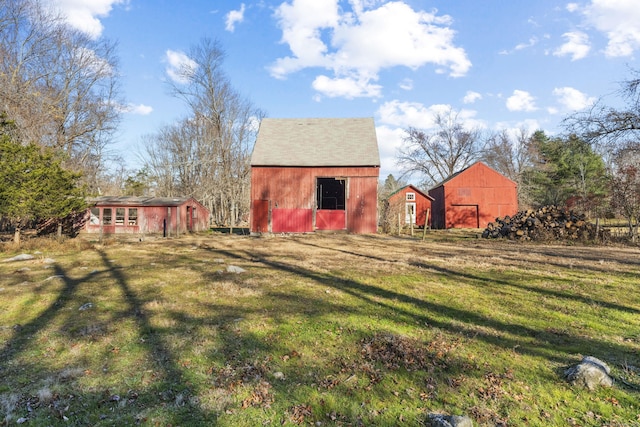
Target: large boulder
590, 373
440, 420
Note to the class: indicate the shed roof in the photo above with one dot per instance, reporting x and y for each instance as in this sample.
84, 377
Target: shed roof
138, 201
414, 188
316, 142
476, 164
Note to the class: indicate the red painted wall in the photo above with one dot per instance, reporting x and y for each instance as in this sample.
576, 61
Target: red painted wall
473, 198
422, 202
294, 188
151, 219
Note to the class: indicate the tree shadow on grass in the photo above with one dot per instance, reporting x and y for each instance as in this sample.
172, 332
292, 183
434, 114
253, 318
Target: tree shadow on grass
534, 289
240, 353
553, 345
170, 396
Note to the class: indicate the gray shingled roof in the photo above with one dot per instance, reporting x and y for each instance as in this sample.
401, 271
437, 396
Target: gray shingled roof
316, 142
137, 201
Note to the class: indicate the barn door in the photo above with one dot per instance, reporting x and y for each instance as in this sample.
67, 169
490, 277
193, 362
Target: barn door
463, 216
189, 219
331, 204
260, 218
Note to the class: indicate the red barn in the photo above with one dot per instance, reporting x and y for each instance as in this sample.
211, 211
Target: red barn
148, 215
315, 174
472, 198
413, 205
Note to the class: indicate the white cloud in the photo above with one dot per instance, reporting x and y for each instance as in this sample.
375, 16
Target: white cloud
406, 84
572, 7
520, 46
471, 97
358, 44
521, 101
179, 66
515, 128
84, 15
90, 60
347, 87
619, 20
409, 114
532, 42
140, 109
234, 17
390, 139
577, 45
414, 114
572, 99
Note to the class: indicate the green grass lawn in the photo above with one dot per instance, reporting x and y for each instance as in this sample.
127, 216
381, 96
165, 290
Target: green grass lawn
323, 330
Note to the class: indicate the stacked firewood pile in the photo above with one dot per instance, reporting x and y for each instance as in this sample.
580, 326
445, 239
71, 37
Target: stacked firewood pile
545, 223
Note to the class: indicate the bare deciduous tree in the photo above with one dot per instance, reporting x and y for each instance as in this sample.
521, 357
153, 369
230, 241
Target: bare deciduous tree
625, 187
438, 153
608, 128
59, 85
206, 155
615, 133
511, 154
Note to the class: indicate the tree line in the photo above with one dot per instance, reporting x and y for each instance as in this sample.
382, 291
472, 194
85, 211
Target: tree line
593, 166
60, 98
60, 105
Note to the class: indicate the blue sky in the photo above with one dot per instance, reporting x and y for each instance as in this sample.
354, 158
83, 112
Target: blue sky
502, 64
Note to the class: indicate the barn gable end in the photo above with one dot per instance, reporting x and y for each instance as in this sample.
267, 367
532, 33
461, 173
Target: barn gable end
315, 174
473, 197
413, 205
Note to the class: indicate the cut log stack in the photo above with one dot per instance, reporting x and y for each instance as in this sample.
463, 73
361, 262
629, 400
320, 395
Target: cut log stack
545, 223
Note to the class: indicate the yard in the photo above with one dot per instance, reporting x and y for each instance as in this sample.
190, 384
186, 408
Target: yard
324, 330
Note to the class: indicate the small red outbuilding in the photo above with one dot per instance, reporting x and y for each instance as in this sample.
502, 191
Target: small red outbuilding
472, 198
413, 204
146, 215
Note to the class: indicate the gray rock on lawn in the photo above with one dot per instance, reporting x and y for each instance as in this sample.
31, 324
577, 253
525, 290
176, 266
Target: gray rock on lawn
86, 306
235, 269
590, 373
440, 420
21, 257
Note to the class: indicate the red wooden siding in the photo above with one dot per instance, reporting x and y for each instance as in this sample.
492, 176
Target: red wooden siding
463, 216
473, 198
295, 188
422, 203
362, 204
172, 220
292, 220
330, 219
260, 218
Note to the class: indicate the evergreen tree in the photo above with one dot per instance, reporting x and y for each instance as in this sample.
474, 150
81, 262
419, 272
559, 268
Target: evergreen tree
139, 184
563, 170
390, 186
34, 187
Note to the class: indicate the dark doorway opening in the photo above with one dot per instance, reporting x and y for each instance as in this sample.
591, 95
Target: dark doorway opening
331, 193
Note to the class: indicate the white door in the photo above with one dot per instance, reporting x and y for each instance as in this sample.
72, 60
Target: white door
410, 213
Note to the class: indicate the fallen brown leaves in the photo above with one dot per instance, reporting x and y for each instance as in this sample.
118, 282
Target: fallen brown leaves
493, 388
395, 351
298, 413
260, 396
